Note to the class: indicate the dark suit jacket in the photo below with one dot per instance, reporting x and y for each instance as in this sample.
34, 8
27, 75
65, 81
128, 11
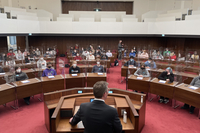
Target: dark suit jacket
98, 117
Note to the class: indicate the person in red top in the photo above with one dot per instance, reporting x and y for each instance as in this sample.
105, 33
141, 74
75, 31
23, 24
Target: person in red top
76, 47
11, 53
78, 57
173, 56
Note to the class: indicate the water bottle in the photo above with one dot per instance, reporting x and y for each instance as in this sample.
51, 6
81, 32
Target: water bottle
125, 117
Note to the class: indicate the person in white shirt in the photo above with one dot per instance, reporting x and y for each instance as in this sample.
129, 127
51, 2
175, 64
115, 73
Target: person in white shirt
20, 55
144, 55
25, 52
109, 54
41, 63
85, 53
10, 62
91, 56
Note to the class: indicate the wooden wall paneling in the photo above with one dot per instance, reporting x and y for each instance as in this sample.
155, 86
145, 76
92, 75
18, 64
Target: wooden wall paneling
90, 5
21, 43
3, 45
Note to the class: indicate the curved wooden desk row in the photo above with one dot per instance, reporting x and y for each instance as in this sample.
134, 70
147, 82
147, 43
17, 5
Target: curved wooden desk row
190, 63
26, 65
60, 103
91, 62
186, 77
174, 91
178, 67
18, 90
112, 58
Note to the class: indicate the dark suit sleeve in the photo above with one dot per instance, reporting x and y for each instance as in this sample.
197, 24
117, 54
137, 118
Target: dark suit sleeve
161, 76
117, 123
76, 118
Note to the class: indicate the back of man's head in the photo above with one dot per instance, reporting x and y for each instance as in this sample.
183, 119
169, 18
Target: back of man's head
100, 88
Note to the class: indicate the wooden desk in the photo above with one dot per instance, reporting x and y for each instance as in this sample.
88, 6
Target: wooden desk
186, 95
31, 88
59, 122
92, 62
162, 89
138, 84
124, 71
30, 73
92, 78
7, 93
75, 81
88, 68
52, 84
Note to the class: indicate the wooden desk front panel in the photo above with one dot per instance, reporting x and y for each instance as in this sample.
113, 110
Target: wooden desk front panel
139, 85
92, 80
52, 85
78, 81
187, 95
27, 90
7, 94
161, 90
126, 70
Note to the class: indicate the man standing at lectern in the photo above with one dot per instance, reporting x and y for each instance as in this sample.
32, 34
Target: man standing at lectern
98, 117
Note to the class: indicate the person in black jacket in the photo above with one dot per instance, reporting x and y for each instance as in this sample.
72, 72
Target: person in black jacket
98, 117
131, 62
19, 76
104, 56
74, 68
169, 77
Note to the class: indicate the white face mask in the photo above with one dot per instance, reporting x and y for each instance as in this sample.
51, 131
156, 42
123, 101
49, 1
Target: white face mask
74, 65
77, 54
41, 58
18, 70
98, 63
149, 61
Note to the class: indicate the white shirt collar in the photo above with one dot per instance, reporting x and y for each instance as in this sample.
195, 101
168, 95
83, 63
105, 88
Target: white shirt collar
99, 99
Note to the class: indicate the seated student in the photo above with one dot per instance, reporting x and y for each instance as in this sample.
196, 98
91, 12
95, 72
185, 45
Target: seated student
125, 53
195, 82
74, 68
41, 63
11, 53
74, 53
166, 52
169, 77
37, 52
85, 53
19, 55
144, 54
71, 49
158, 56
131, 62
19, 76
195, 56
47, 54
27, 60
49, 71
98, 68
78, 57
150, 63
98, 52
104, 56
142, 72
109, 54
173, 56
132, 53
10, 61
99, 47
91, 56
